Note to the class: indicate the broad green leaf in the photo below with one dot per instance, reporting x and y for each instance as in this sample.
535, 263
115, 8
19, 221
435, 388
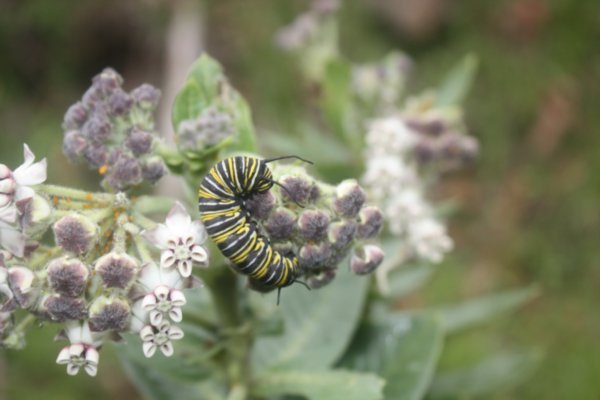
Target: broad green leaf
406, 280
458, 82
322, 385
404, 351
336, 100
496, 373
318, 324
206, 85
482, 309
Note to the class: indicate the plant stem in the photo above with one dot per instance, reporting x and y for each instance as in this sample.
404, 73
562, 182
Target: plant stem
75, 194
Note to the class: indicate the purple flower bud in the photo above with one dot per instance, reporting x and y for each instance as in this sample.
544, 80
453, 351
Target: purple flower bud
107, 81
280, 224
119, 102
124, 172
92, 97
109, 314
313, 256
146, 96
75, 233
75, 117
139, 141
427, 126
341, 234
153, 168
366, 259
116, 270
23, 285
458, 149
371, 221
67, 276
74, 144
321, 278
97, 156
349, 198
300, 189
97, 128
313, 224
260, 205
63, 308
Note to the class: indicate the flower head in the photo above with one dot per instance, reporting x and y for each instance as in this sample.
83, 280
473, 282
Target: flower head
160, 337
83, 350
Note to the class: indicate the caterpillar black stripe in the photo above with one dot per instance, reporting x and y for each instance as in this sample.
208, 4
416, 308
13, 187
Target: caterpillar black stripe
222, 196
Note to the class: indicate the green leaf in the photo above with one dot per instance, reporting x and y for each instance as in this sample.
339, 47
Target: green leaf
482, 309
404, 351
336, 99
206, 85
457, 82
318, 325
494, 374
323, 385
406, 280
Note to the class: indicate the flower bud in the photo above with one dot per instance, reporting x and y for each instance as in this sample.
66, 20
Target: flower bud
432, 126
313, 255
371, 221
124, 172
8, 185
35, 214
153, 168
320, 279
299, 189
313, 224
146, 96
458, 149
97, 156
139, 141
109, 314
75, 116
67, 276
97, 128
280, 224
107, 81
260, 205
23, 285
75, 233
119, 102
64, 308
349, 198
366, 259
92, 97
117, 270
74, 144
341, 234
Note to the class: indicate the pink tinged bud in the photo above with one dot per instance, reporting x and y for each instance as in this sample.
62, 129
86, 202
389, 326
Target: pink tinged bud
109, 314
321, 278
280, 224
75, 116
371, 221
313, 256
341, 234
97, 129
313, 224
349, 198
74, 144
260, 205
75, 233
67, 276
139, 141
119, 102
124, 172
146, 96
23, 284
63, 308
116, 270
300, 189
153, 168
366, 259
107, 81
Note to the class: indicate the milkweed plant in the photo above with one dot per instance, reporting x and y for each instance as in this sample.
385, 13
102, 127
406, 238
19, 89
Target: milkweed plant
124, 267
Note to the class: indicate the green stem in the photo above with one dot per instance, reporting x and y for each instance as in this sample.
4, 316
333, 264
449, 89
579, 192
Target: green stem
153, 204
143, 221
75, 194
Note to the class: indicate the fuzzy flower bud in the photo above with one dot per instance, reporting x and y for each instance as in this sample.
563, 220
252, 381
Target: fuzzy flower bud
35, 214
67, 276
320, 279
74, 144
341, 234
117, 270
280, 224
107, 81
300, 189
75, 116
349, 198
313, 256
366, 259
153, 168
124, 171
371, 221
109, 314
146, 96
75, 233
119, 102
260, 205
62, 308
139, 141
23, 285
97, 128
313, 224
97, 156
209, 129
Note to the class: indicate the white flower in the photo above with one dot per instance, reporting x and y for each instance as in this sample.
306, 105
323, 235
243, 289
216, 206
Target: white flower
82, 352
28, 174
164, 302
160, 338
390, 135
4, 286
407, 206
429, 240
11, 238
180, 240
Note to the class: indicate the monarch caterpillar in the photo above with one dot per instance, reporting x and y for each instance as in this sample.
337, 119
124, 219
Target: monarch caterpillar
222, 196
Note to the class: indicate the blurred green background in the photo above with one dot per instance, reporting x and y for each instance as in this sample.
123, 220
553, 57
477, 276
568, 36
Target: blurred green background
529, 209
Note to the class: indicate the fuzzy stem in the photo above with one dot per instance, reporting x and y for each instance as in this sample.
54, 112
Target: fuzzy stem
142, 249
143, 221
43, 257
153, 204
75, 194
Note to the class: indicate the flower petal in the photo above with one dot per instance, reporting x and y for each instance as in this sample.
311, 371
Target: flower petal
72, 369
64, 356
185, 268
167, 349
175, 314
149, 348
178, 218
175, 333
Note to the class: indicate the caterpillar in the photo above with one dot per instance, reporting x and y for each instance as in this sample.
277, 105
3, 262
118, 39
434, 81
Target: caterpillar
222, 195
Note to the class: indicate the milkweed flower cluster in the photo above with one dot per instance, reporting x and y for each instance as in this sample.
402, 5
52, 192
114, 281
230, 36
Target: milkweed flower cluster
319, 223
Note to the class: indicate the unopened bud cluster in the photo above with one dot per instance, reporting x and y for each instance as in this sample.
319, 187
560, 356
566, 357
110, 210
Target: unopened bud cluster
113, 131
321, 224
304, 30
210, 128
